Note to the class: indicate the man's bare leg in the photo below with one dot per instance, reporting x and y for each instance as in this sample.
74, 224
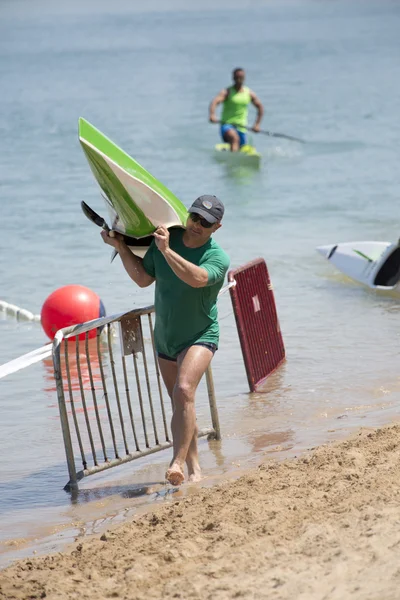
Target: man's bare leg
191, 363
192, 458
191, 366
169, 372
231, 136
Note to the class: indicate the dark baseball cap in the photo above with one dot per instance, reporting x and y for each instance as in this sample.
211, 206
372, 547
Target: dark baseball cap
209, 207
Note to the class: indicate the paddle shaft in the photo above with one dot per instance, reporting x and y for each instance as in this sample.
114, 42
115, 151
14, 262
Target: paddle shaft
264, 132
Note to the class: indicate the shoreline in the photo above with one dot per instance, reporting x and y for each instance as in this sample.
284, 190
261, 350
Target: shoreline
324, 525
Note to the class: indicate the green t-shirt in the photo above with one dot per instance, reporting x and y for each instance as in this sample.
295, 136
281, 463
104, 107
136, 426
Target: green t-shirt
185, 315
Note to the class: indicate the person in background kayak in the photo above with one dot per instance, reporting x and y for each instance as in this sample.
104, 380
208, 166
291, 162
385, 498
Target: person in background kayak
235, 100
189, 268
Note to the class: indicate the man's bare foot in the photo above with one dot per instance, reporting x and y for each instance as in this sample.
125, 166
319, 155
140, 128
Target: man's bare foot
195, 477
175, 475
194, 472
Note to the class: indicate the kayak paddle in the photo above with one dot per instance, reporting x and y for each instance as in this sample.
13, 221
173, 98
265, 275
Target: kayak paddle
269, 133
97, 220
93, 216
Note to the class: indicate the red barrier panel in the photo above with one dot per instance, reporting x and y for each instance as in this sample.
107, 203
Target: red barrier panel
257, 321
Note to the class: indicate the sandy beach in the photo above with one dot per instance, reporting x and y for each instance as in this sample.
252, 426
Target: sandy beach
322, 526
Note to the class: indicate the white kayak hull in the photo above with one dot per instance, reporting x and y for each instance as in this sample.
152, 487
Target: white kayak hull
374, 264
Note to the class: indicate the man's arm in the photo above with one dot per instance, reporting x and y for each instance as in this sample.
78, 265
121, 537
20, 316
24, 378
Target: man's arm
219, 98
260, 111
133, 264
191, 274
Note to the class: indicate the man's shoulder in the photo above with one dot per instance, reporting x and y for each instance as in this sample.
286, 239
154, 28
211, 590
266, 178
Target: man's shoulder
228, 91
252, 93
215, 249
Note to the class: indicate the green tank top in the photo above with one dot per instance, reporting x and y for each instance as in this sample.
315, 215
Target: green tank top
235, 106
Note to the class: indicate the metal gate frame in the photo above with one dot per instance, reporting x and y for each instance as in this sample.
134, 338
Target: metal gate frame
133, 347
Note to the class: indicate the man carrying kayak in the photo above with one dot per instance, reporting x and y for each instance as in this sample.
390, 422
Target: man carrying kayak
189, 268
235, 100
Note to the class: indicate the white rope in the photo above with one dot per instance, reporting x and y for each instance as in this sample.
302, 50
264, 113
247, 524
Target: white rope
223, 290
20, 313
25, 360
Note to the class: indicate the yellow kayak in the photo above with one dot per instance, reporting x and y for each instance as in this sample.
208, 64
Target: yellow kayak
247, 155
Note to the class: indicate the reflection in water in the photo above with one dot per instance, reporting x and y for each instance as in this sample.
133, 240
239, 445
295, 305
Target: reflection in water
80, 369
78, 366
260, 441
216, 449
152, 490
274, 383
241, 174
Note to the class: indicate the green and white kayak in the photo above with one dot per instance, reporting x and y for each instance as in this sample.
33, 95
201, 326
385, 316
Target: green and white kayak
247, 155
136, 201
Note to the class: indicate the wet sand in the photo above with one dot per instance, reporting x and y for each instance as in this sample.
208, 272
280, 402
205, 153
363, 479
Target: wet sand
323, 526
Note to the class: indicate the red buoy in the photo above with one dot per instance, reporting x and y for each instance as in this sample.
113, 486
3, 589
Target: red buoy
71, 305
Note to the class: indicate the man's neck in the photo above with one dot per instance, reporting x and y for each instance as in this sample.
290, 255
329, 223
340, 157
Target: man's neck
192, 242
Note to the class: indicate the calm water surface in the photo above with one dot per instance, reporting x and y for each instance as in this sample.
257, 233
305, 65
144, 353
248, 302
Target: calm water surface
327, 72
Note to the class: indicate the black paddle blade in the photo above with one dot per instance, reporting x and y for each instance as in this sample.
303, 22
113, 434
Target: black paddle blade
93, 216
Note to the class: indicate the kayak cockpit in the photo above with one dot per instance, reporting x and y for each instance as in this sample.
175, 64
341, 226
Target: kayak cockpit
139, 246
389, 273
